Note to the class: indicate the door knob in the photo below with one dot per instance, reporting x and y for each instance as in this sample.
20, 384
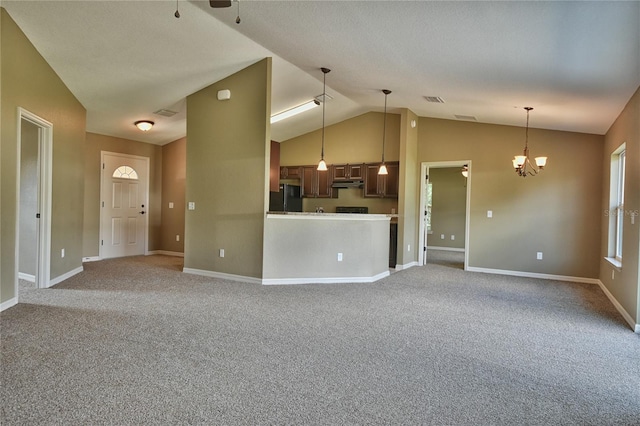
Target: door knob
142, 212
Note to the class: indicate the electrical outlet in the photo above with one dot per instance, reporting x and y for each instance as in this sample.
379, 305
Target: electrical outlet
192, 205
177, 237
442, 236
221, 252
339, 257
453, 237
539, 255
62, 253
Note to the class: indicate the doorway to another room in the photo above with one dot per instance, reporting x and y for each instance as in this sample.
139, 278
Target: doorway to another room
444, 222
33, 236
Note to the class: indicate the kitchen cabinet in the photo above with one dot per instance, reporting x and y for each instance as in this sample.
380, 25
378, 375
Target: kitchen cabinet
342, 172
316, 183
290, 172
382, 186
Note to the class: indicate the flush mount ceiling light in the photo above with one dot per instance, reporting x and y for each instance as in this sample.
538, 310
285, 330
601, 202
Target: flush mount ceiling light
521, 163
383, 168
294, 111
322, 166
144, 125
465, 170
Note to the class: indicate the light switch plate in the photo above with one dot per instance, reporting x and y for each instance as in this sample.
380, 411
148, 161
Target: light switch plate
192, 205
489, 213
170, 204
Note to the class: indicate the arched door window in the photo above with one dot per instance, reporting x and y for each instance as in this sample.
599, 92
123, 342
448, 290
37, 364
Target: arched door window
125, 172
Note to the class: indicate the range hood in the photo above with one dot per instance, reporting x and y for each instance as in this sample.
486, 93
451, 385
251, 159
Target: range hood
348, 184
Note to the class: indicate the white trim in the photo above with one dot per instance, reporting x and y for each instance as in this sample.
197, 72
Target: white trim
26, 277
45, 189
329, 216
407, 265
166, 253
91, 259
65, 276
534, 275
459, 250
222, 275
333, 280
614, 262
8, 304
635, 327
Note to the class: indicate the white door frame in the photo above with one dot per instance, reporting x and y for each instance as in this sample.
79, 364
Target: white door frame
424, 172
45, 160
146, 189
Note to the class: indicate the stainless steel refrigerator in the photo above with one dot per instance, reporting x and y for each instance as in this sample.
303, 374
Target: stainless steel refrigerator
288, 199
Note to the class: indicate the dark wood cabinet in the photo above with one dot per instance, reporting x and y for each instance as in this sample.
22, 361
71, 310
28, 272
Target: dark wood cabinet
290, 172
316, 183
382, 186
342, 172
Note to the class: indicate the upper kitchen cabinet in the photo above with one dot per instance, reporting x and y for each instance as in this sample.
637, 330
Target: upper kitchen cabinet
291, 172
342, 172
382, 186
316, 184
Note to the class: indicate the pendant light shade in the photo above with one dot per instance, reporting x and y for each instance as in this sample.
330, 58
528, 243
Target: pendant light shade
383, 168
322, 165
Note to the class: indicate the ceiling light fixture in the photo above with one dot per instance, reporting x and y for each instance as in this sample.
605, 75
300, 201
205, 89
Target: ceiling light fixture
322, 166
294, 111
383, 168
465, 170
144, 125
521, 163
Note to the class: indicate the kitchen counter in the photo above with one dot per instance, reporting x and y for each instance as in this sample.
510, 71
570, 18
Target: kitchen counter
301, 248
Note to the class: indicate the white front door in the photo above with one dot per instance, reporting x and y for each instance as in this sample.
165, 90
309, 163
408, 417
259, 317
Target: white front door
124, 205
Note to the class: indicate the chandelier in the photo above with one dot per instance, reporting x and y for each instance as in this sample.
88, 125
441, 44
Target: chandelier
521, 163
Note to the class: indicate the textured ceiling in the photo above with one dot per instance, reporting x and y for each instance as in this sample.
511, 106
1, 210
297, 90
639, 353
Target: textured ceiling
576, 63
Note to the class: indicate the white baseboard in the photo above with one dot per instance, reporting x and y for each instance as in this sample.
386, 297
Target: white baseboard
332, 280
635, 327
8, 304
459, 250
91, 259
222, 275
534, 275
167, 253
406, 265
65, 276
26, 277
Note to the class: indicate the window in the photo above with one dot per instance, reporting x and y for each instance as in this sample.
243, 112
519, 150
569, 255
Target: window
616, 210
125, 172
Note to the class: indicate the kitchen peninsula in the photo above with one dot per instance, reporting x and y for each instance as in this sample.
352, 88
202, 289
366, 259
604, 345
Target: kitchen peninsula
301, 248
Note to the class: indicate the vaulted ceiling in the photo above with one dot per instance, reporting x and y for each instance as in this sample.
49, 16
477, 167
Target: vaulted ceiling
576, 63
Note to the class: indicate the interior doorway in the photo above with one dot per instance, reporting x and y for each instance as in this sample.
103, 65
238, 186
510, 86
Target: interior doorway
426, 233
124, 205
33, 187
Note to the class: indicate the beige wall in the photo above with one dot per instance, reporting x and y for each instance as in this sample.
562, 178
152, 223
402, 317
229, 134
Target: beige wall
95, 144
228, 172
408, 197
174, 165
625, 286
27, 81
557, 212
448, 212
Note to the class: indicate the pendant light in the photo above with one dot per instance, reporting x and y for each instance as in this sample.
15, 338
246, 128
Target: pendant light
383, 168
521, 163
322, 166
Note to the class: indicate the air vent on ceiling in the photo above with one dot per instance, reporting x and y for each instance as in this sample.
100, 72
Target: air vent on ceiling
165, 112
466, 117
434, 99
